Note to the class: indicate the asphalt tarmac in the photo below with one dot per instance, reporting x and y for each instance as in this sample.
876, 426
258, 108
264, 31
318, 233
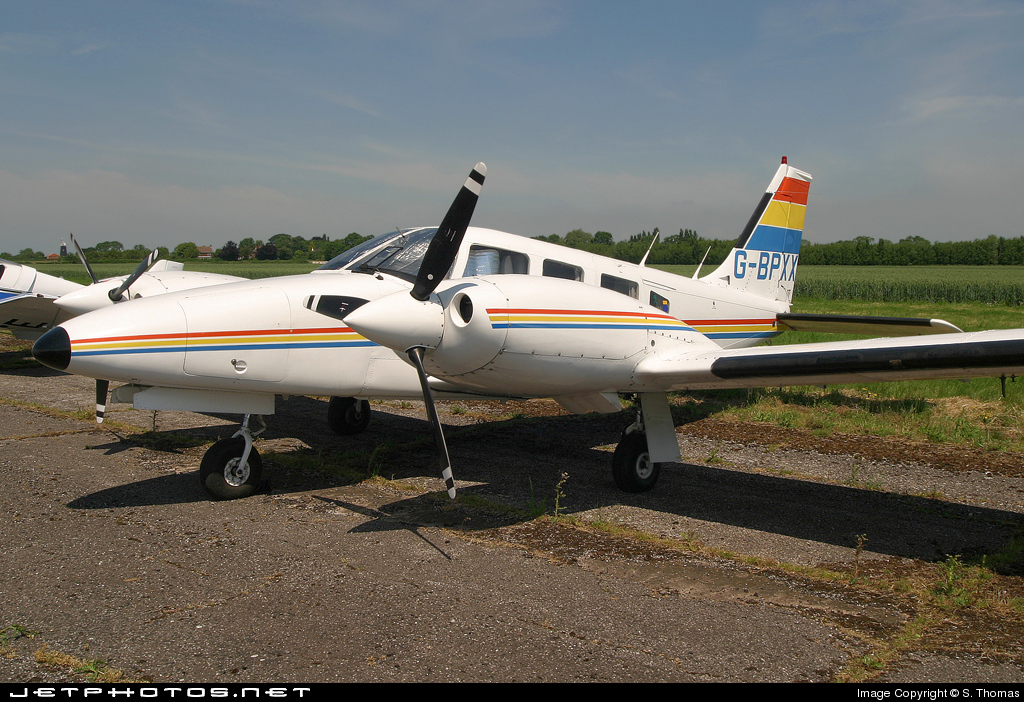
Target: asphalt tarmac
112, 554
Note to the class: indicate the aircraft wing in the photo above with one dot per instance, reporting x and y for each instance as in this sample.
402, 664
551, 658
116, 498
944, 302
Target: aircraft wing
976, 354
28, 315
868, 326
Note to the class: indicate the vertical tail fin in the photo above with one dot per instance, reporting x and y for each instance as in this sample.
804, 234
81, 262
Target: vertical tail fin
763, 261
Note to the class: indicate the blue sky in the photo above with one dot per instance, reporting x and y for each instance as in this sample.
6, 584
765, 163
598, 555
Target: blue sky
163, 122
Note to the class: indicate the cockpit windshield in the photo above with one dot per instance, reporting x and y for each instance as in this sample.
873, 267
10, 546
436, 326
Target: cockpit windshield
398, 253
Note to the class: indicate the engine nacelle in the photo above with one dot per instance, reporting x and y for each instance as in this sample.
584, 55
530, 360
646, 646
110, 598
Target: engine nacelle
523, 335
520, 334
471, 339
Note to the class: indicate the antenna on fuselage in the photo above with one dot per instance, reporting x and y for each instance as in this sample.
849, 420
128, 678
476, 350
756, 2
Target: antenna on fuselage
697, 272
657, 233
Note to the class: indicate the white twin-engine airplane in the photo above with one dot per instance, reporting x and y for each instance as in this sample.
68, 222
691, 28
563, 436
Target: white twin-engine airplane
463, 312
32, 302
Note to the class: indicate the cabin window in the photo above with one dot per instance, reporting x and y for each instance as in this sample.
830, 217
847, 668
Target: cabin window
486, 260
658, 301
620, 285
554, 269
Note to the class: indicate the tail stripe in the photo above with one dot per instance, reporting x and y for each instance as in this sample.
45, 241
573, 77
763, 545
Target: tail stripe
793, 190
784, 214
781, 224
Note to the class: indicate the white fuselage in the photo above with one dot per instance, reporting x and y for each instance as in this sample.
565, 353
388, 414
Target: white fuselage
543, 320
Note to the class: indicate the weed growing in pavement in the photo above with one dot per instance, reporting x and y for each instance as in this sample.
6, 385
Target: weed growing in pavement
959, 584
560, 493
11, 633
861, 540
534, 506
715, 455
378, 458
94, 670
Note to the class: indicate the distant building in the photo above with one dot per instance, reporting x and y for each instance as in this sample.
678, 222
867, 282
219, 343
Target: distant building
205, 252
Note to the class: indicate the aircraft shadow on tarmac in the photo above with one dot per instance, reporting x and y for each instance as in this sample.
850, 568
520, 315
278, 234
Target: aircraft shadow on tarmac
506, 460
21, 364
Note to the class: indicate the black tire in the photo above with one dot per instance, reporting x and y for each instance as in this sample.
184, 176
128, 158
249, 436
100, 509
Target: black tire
347, 415
631, 465
220, 473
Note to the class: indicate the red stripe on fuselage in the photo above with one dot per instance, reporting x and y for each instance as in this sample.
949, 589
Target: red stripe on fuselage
202, 335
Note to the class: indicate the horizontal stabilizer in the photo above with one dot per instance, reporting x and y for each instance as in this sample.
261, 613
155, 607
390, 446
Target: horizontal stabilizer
868, 326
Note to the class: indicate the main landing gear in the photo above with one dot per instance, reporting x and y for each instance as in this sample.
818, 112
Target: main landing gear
232, 468
645, 444
632, 467
347, 415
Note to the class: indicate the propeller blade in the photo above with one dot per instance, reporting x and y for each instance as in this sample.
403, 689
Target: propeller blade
445, 244
81, 257
416, 356
116, 293
101, 399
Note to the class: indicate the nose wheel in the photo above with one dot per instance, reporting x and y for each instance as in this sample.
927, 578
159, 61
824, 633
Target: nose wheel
232, 469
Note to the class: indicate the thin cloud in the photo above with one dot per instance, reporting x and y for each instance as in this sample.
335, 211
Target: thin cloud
88, 49
26, 44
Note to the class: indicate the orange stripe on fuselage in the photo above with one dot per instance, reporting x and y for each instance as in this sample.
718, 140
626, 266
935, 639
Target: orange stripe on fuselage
201, 335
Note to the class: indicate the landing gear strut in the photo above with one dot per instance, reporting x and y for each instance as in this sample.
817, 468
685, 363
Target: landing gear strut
347, 415
634, 466
232, 468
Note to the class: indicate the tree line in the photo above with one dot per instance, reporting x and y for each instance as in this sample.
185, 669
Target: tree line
915, 251
687, 248
277, 247
684, 248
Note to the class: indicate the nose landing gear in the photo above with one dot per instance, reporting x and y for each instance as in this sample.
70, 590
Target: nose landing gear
232, 468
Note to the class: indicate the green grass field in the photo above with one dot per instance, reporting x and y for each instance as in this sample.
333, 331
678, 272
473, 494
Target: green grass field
1002, 285
967, 412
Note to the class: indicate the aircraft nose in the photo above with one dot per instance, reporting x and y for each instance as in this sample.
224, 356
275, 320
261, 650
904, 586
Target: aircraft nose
53, 349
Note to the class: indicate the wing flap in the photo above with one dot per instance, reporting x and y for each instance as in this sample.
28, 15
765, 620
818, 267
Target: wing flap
978, 354
868, 326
